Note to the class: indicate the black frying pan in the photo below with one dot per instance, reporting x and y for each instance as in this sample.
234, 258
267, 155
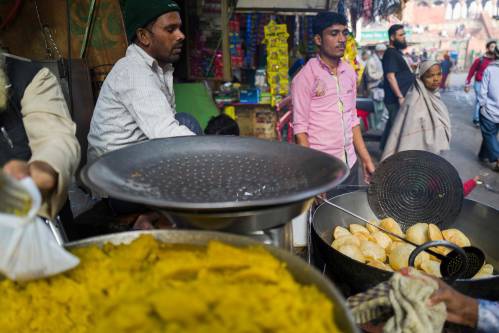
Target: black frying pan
478, 222
214, 173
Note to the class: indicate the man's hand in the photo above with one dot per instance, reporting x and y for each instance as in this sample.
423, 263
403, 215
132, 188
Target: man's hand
43, 175
461, 309
367, 163
401, 100
368, 168
467, 88
302, 139
372, 328
17, 169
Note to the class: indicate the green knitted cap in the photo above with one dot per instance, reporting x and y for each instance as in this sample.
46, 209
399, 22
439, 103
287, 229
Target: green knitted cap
138, 13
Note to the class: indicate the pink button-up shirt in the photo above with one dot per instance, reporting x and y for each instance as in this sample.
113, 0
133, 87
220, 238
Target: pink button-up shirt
324, 108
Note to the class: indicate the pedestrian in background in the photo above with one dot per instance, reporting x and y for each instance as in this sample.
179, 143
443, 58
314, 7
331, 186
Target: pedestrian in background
364, 57
398, 76
488, 99
374, 81
446, 66
423, 122
476, 71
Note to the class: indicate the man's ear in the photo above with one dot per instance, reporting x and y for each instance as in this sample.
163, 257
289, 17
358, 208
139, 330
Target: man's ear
318, 40
143, 37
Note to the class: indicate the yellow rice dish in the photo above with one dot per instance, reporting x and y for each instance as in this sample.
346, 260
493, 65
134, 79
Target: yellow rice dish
148, 286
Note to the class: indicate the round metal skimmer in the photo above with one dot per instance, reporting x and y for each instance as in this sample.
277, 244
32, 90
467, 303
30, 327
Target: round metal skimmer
416, 186
454, 265
214, 173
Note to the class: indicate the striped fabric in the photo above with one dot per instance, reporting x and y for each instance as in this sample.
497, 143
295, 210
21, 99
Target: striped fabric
136, 103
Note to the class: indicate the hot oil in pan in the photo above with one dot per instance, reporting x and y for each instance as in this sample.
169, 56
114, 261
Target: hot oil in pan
212, 177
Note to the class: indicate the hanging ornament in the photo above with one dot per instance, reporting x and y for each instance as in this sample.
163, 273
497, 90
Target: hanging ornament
351, 57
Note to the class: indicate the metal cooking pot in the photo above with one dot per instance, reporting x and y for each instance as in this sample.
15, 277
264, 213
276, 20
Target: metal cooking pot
301, 271
237, 184
479, 223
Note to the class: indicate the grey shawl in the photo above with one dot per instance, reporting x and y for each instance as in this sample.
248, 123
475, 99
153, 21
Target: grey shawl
422, 122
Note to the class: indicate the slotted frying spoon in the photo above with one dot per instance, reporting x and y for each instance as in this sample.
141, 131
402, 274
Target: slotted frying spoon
416, 186
459, 263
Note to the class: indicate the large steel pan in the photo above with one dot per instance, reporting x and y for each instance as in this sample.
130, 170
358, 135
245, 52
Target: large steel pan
479, 222
216, 182
301, 271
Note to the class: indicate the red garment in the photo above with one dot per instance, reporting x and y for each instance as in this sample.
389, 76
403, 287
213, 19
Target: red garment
468, 186
478, 67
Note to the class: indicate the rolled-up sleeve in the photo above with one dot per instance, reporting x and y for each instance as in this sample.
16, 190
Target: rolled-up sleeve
149, 107
301, 93
51, 134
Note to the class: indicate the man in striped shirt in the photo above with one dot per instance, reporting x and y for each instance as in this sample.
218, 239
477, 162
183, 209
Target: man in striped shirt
137, 102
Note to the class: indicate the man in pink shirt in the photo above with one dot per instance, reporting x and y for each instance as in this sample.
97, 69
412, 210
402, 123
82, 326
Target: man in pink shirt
324, 99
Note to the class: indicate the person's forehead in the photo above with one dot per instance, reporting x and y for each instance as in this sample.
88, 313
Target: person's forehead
433, 69
171, 18
340, 27
400, 31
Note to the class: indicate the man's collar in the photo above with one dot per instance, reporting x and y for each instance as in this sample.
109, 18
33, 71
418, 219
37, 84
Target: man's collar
134, 49
341, 68
396, 49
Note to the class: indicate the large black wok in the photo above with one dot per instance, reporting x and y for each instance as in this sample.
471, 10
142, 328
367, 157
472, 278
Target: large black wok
479, 222
217, 182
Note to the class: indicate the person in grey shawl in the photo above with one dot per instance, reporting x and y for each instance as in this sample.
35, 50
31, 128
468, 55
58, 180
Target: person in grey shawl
423, 122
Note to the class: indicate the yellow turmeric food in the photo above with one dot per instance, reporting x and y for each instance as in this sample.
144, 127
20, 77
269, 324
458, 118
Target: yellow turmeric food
148, 286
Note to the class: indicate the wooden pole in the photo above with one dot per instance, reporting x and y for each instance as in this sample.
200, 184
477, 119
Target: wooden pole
88, 28
227, 72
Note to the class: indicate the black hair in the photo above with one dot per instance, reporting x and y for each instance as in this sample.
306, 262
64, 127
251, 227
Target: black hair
222, 125
324, 20
490, 43
393, 29
148, 27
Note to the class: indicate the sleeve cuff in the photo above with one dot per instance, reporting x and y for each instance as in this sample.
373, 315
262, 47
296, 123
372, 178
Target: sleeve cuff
299, 129
488, 316
356, 123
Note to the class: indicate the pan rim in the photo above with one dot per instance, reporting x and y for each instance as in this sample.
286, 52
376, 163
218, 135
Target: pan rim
324, 242
213, 207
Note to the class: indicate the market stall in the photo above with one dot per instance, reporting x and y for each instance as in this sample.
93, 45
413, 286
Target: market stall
244, 187
228, 264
